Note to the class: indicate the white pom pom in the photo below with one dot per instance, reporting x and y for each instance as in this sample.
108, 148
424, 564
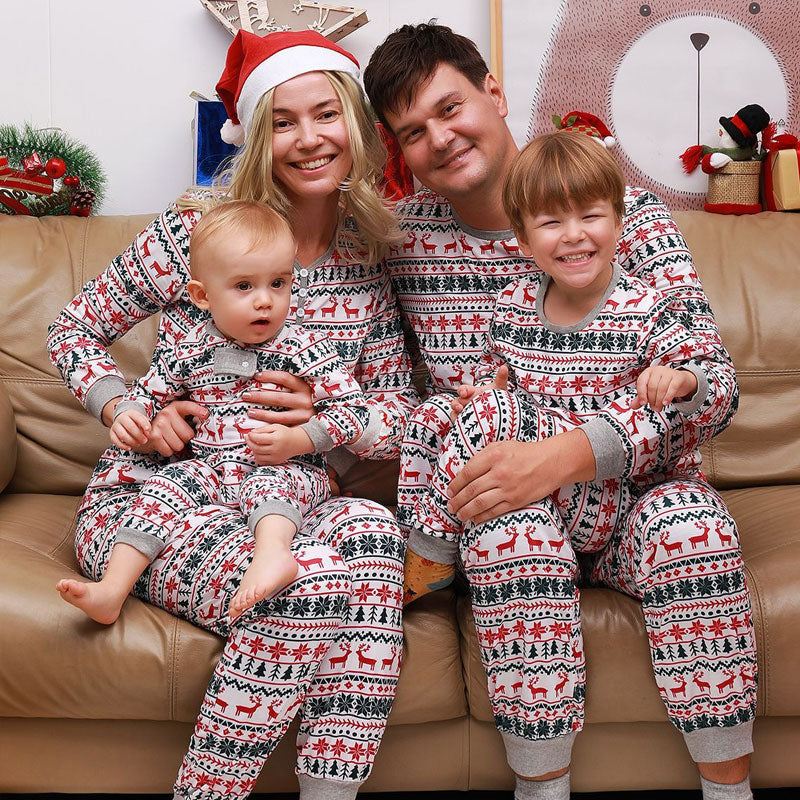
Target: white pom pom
232, 134
609, 141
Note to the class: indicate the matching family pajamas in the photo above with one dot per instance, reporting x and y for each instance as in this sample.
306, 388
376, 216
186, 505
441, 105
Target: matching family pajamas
651, 525
217, 372
328, 646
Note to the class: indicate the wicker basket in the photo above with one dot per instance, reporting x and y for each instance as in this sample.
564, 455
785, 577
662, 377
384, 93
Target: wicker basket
735, 188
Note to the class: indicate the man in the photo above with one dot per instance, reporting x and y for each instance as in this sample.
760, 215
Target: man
431, 87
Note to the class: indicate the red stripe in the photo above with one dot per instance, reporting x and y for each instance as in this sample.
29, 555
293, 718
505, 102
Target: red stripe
733, 208
13, 204
742, 127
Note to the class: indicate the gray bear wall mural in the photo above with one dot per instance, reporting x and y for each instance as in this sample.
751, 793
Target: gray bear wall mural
659, 74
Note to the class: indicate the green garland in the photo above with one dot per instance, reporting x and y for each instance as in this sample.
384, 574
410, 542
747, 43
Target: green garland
17, 143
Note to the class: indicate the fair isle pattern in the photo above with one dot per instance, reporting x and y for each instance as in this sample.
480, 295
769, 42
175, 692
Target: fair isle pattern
674, 547
207, 552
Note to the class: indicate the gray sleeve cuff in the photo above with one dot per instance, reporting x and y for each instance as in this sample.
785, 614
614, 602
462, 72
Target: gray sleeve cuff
609, 453
147, 544
280, 507
693, 404
319, 436
129, 405
371, 432
101, 392
341, 460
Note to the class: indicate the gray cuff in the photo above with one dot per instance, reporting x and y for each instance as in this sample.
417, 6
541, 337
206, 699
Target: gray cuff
319, 435
720, 744
129, 405
105, 389
341, 460
432, 547
280, 507
326, 789
693, 404
530, 758
371, 432
609, 453
147, 544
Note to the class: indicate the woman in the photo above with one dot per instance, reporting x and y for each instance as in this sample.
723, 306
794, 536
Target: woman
310, 151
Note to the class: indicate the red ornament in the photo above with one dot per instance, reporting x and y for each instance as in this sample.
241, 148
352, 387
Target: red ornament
72, 180
55, 168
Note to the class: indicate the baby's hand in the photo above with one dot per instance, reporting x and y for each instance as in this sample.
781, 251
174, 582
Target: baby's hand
274, 444
467, 392
661, 385
130, 429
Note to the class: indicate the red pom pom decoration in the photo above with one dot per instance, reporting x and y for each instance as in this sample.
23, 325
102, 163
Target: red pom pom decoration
72, 180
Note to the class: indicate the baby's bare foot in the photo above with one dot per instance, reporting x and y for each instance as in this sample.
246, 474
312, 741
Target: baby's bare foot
94, 599
263, 577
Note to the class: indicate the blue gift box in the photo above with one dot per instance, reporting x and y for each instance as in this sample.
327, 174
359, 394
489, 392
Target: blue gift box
209, 149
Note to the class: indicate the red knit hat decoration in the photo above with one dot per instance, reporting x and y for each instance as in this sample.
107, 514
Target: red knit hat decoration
586, 123
256, 64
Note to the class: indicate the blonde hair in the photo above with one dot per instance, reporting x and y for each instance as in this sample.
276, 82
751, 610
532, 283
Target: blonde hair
558, 170
261, 223
249, 175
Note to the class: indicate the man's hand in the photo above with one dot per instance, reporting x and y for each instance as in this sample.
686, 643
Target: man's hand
291, 393
130, 428
661, 385
274, 444
169, 430
506, 476
467, 391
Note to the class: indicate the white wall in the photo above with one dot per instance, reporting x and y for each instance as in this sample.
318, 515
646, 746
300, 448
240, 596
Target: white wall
117, 74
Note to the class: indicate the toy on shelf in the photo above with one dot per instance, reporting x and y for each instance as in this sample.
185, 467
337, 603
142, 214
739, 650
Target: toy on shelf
587, 123
734, 164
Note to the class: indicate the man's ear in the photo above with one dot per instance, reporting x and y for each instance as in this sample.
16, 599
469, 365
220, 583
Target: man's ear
495, 91
197, 294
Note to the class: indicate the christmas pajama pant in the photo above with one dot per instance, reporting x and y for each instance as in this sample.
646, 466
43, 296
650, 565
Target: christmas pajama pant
327, 647
292, 490
673, 546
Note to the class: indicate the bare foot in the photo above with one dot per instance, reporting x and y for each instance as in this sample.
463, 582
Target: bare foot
96, 600
267, 573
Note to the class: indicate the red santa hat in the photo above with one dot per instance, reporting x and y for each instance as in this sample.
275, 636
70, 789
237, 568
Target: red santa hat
586, 123
256, 64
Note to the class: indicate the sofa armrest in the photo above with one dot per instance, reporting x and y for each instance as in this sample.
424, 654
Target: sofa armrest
8, 438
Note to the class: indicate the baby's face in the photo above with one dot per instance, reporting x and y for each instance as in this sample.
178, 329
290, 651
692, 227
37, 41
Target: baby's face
248, 291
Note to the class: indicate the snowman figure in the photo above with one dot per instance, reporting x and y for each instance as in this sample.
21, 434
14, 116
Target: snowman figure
737, 141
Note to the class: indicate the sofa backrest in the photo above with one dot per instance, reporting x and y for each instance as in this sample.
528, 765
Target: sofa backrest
750, 269
748, 265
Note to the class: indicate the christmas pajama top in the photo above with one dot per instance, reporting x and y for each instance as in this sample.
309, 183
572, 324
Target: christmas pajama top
575, 371
353, 304
447, 276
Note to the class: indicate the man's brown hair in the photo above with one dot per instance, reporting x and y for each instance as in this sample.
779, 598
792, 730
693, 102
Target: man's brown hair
559, 170
408, 58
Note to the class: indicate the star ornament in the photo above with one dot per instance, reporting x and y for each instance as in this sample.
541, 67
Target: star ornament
267, 16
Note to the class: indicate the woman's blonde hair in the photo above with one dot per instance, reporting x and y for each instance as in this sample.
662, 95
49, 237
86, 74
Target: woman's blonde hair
557, 170
249, 175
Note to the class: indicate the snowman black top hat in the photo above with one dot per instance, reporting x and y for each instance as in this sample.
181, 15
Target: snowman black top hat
745, 124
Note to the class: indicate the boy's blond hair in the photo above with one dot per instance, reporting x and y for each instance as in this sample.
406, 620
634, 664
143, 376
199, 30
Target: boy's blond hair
258, 221
557, 171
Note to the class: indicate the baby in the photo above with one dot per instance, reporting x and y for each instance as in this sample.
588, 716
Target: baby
242, 258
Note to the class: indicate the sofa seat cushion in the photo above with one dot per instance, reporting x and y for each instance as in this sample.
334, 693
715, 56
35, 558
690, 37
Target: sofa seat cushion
620, 682
150, 665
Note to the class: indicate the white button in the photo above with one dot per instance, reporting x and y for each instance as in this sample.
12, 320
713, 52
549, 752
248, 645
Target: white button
301, 313
303, 272
302, 291
244, 363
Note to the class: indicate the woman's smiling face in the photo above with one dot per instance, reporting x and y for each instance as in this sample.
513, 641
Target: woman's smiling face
310, 145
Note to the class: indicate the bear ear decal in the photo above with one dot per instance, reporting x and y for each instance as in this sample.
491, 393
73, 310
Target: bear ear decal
557, 121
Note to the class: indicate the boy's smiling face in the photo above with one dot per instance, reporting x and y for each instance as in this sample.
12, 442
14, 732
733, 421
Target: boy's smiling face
575, 246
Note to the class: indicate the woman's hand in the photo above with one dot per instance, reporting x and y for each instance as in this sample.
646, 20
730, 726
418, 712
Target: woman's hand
169, 430
506, 476
291, 393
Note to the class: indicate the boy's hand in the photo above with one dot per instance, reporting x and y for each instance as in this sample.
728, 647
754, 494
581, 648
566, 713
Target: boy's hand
274, 444
658, 386
129, 429
467, 392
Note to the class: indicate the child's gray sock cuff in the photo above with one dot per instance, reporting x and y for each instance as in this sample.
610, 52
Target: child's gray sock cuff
554, 789
726, 791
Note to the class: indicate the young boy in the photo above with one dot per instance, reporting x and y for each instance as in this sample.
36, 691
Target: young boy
571, 340
242, 256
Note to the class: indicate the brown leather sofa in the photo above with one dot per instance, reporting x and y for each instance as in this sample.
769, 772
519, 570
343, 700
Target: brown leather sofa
87, 708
